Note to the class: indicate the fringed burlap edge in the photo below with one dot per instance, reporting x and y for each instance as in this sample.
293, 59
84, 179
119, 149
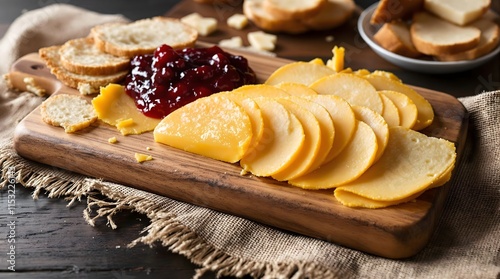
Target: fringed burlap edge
163, 229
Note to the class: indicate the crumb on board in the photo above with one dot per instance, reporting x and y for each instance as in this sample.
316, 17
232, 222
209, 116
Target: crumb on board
139, 157
112, 140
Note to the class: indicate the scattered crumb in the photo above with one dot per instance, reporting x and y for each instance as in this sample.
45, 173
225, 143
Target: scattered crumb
118, 247
149, 148
204, 25
243, 172
329, 39
234, 42
139, 157
32, 87
237, 21
112, 140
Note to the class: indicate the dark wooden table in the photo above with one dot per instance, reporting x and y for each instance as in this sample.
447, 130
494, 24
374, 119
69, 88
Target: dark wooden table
53, 240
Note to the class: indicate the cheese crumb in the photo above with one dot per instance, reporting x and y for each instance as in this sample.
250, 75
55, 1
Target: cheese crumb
125, 123
204, 25
234, 42
237, 21
149, 148
139, 157
113, 140
262, 41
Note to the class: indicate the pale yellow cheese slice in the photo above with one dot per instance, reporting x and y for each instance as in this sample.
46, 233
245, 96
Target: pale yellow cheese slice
255, 115
424, 108
326, 125
352, 200
411, 163
114, 107
300, 72
214, 126
407, 109
351, 163
296, 89
343, 120
258, 90
281, 142
311, 146
391, 112
377, 123
352, 88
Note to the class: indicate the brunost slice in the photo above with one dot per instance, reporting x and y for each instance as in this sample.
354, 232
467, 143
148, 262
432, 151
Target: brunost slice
281, 143
351, 163
213, 126
411, 163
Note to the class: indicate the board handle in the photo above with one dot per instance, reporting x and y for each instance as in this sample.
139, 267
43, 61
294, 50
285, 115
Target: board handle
29, 73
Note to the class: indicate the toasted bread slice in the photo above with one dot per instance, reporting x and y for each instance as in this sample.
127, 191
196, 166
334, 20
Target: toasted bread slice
86, 84
389, 10
254, 11
81, 56
333, 14
71, 112
434, 36
460, 12
293, 9
143, 36
395, 37
490, 37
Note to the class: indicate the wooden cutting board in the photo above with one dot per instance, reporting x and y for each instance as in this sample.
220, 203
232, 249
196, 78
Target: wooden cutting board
394, 232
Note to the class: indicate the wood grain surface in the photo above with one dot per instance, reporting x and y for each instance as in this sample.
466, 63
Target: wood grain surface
394, 232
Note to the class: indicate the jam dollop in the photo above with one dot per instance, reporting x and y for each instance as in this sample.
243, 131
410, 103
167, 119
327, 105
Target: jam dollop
168, 79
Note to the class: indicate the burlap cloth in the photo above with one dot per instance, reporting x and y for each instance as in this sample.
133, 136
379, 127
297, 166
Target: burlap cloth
466, 243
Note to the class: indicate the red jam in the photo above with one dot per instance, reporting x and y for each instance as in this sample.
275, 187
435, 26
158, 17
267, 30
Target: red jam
168, 79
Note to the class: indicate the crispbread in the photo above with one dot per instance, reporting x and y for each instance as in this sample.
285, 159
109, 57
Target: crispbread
71, 112
81, 56
434, 36
86, 84
143, 36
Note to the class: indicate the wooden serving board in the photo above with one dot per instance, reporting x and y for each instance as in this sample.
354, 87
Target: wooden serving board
393, 232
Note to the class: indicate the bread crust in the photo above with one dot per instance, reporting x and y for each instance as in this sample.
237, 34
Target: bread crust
389, 10
51, 57
254, 10
284, 10
80, 55
333, 14
388, 38
143, 36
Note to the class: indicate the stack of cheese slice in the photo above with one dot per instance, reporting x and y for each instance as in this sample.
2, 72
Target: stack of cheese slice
331, 132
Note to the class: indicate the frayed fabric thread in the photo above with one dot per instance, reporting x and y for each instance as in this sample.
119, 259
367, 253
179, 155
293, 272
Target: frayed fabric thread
163, 229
